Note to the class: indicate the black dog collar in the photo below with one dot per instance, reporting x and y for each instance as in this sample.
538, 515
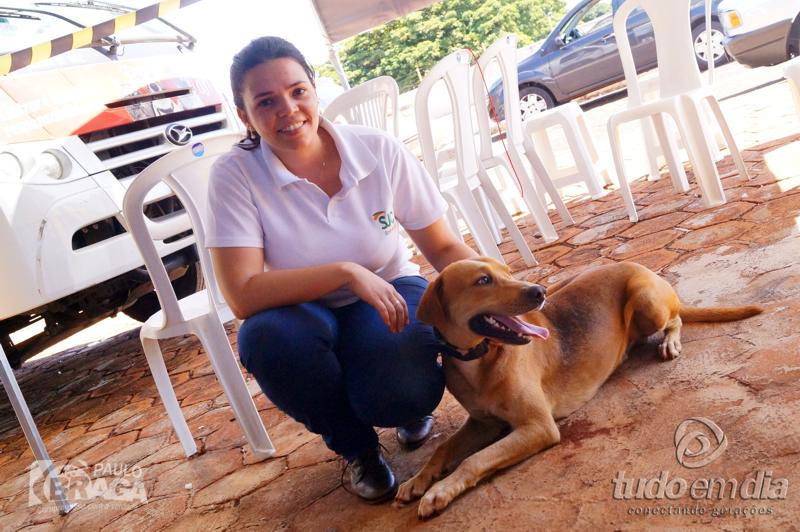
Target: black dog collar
474, 353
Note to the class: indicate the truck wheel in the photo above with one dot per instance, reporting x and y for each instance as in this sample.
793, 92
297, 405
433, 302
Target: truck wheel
701, 45
11, 353
534, 100
186, 285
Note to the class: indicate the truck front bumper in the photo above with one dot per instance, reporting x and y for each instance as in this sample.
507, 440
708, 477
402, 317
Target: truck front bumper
762, 47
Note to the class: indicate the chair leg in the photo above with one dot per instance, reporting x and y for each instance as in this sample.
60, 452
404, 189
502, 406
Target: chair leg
152, 352
728, 134
534, 199
452, 219
588, 141
705, 168
583, 160
542, 177
670, 150
489, 214
477, 225
619, 165
794, 89
35, 441
542, 141
215, 341
497, 202
652, 147
716, 138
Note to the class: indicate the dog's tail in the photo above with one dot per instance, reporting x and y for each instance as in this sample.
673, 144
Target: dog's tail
693, 314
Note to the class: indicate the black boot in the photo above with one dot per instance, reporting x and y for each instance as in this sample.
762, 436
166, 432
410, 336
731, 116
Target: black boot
415, 433
371, 478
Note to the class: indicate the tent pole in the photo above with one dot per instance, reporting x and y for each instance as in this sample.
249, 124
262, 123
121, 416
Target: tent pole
333, 55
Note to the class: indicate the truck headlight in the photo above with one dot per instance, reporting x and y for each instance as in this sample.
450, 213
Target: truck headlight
731, 20
54, 164
10, 167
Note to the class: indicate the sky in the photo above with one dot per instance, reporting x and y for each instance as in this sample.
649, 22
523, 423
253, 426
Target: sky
223, 27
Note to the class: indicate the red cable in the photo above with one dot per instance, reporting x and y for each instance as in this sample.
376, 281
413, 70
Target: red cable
494, 116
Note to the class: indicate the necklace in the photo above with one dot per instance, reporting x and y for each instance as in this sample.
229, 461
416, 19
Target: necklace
324, 158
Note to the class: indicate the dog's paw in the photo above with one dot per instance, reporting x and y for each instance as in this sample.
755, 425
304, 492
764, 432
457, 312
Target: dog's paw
670, 348
413, 488
438, 498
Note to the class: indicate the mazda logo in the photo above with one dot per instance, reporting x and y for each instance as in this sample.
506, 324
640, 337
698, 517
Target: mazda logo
178, 134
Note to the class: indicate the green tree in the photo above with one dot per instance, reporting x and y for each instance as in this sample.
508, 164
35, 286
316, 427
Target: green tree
407, 47
326, 69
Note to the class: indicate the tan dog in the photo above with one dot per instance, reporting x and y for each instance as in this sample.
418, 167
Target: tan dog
517, 388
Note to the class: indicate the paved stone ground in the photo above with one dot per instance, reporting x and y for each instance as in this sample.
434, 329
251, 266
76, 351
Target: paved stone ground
98, 405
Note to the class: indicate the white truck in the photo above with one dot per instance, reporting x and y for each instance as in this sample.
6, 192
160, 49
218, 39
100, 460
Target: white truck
75, 130
761, 32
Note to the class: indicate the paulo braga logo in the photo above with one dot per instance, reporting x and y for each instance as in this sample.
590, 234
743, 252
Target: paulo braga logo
385, 220
114, 483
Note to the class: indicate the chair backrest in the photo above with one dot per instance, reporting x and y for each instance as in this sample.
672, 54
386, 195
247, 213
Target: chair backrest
504, 52
185, 171
373, 104
454, 72
677, 67
709, 44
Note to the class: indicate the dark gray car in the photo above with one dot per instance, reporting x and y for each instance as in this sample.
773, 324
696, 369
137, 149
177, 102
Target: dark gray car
580, 55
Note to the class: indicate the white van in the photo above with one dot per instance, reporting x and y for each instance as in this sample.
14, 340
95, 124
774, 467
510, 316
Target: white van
761, 32
75, 130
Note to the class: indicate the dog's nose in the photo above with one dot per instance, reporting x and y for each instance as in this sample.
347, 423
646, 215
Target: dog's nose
536, 293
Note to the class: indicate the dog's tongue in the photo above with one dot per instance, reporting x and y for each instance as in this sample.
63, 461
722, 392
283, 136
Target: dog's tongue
516, 324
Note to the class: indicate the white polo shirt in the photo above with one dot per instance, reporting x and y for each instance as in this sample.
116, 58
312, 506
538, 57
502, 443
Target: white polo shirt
255, 201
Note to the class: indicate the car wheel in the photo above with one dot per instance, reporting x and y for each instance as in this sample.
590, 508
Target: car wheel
185, 285
701, 45
793, 46
534, 100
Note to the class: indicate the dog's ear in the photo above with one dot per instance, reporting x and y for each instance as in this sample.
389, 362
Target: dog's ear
431, 309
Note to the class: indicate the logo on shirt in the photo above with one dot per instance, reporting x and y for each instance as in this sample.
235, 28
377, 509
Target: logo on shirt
385, 220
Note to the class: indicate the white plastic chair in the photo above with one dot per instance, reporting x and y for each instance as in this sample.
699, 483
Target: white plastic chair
185, 171
682, 96
792, 74
373, 104
458, 185
588, 167
23, 413
503, 52
649, 85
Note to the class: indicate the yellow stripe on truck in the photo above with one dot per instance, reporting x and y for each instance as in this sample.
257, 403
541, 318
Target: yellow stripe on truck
123, 22
41, 52
167, 6
5, 64
84, 37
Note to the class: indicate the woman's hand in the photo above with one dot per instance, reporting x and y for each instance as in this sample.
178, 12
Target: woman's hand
381, 295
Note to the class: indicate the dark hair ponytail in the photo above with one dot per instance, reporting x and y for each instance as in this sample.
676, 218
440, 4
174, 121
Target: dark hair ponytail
255, 53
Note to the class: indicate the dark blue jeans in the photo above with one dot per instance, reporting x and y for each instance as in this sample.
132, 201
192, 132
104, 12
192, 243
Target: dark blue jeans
340, 371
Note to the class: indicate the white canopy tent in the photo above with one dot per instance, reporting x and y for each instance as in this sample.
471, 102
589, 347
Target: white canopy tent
341, 19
